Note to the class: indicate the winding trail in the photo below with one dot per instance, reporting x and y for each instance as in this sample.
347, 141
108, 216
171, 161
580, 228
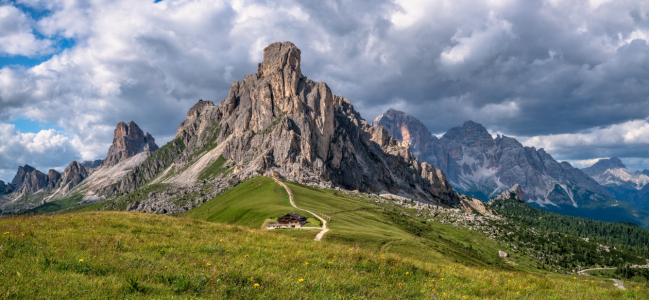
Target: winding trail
618, 283
320, 234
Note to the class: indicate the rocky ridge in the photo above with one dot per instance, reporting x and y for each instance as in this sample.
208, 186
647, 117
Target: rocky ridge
482, 166
92, 163
277, 122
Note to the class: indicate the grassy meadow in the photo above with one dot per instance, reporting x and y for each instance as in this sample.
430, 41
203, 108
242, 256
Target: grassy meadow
119, 255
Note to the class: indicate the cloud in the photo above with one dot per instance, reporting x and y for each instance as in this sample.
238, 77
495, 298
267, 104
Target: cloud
43, 150
17, 36
559, 70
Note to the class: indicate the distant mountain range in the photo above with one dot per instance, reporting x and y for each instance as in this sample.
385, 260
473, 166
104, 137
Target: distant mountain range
481, 166
622, 183
31, 187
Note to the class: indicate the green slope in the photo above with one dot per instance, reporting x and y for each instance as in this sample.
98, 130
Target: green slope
117, 255
358, 222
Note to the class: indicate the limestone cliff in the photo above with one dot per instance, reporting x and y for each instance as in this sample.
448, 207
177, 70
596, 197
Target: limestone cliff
279, 122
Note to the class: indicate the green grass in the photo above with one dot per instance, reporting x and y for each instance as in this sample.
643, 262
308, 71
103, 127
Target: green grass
249, 204
56, 205
144, 256
360, 223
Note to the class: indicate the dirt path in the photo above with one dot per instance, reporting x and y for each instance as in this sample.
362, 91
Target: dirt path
583, 272
619, 284
290, 198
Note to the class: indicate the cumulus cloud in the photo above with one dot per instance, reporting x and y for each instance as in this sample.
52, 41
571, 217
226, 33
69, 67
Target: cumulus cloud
559, 70
17, 35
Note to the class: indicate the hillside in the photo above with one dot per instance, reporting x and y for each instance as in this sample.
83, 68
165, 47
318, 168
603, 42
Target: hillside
138, 256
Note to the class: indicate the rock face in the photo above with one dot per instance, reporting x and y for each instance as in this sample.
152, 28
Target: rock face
53, 177
515, 192
481, 166
73, 175
92, 164
276, 121
406, 128
21, 174
6, 188
622, 183
33, 181
128, 141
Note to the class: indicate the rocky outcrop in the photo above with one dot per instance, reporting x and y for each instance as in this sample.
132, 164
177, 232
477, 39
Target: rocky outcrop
21, 174
92, 163
33, 182
128, 141
479, 165
53, 179
603, 165
515, 192
73, 175
278, 122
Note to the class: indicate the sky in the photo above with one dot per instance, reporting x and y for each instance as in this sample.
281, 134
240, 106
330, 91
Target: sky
567, 76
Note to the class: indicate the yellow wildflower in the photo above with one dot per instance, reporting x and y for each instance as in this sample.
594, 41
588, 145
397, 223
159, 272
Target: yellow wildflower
306, 262
574, 278
400, 283
221, 240
407, 273
442, 278
330, 263
6, 232
81, 260
350, 249
165, 267
256, 284
246, 255
592, 281
208, 264
227, 250
300, 280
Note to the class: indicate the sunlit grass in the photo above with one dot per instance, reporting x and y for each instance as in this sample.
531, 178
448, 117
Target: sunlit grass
136, 255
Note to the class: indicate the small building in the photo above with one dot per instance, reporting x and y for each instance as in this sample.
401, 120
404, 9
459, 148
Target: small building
292, 220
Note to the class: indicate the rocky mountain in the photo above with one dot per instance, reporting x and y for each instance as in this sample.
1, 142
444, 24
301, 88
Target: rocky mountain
92, 163
31, 180
128, 141
73, 175
482, 166
623, 183
21, 174
277, 122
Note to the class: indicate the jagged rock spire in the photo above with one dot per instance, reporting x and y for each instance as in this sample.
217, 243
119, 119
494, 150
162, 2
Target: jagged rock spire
128, 141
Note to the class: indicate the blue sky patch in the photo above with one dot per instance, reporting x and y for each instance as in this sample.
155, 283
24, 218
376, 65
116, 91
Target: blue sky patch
27, 125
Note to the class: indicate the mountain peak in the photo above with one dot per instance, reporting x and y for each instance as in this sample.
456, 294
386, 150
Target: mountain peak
604, 164
470, 133
406, 128
128, 140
